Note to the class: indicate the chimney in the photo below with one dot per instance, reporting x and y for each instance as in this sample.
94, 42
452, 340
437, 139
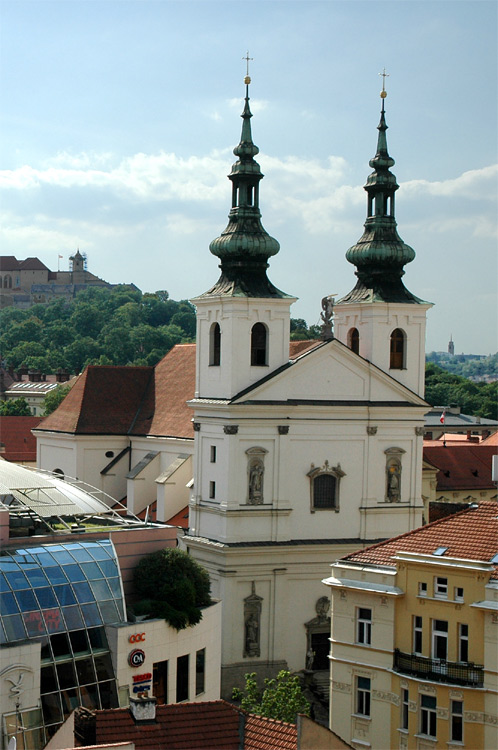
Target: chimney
61, 375
34, 376
84, 726
143, 709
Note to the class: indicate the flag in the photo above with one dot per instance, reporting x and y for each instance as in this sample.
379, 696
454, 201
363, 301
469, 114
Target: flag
61, 256
443, 416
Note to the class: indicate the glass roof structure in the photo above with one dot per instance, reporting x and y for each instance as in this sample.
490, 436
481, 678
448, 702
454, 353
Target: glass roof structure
62, 595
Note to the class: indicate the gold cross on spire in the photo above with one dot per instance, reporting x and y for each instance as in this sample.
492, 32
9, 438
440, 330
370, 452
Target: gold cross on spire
247, 79
384, 75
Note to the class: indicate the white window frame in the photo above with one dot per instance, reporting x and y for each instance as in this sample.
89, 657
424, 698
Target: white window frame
463, 642
364, 626
440, 587
428, 717
422, 588
405, 707
363, 697
438, 634
458, 593
417, 633
456, 710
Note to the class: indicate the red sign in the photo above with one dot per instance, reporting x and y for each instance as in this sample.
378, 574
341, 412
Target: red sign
136, 638
142, 677
51, 617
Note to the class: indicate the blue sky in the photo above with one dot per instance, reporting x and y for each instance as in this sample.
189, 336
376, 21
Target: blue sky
119, 118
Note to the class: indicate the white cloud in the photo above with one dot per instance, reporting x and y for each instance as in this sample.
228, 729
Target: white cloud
478, 184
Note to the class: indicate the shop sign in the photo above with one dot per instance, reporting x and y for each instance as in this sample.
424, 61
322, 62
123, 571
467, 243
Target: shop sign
136, 638
136, 657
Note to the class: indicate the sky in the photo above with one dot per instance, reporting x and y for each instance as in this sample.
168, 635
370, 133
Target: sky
119, 117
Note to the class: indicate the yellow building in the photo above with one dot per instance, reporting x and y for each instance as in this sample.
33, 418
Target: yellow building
414, 639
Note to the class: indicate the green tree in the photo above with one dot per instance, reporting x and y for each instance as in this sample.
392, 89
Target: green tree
174, 587
16, 407
282, 697
53, 399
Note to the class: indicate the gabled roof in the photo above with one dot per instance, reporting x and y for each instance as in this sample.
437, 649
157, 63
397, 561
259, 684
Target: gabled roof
209, 725
462, 466
19, 443
471, 534
104, 400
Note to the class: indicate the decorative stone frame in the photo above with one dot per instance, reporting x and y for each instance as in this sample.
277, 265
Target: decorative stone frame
393, 474
326, 470
255, 475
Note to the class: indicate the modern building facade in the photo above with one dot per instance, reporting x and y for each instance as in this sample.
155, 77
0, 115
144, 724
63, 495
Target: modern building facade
414, 638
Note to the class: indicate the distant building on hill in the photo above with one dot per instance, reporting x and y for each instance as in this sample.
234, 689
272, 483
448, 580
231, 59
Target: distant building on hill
28, 282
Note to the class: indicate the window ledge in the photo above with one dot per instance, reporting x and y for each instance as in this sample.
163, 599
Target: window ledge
362, 716
426, 737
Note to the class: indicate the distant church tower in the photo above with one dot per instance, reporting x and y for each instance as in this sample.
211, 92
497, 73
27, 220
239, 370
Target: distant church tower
451, 346
380, 319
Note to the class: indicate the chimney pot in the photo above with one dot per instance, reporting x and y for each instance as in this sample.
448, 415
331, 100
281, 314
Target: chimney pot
143, 710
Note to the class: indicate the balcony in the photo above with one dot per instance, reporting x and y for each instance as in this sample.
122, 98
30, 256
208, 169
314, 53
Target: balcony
457, 673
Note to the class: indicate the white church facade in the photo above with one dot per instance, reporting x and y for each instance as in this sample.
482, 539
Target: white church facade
296, 459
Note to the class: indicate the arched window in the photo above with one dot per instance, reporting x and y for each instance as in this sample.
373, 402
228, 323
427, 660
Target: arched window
398, 350
354, 340
259, 345
215, 345
325, 486
7, 282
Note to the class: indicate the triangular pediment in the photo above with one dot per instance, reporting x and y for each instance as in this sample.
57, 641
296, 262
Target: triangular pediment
331, 372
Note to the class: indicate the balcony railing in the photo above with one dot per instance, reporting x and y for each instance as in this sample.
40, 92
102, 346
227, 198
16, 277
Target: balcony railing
458, 673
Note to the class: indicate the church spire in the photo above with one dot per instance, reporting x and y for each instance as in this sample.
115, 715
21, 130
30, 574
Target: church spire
380, 254
244, 246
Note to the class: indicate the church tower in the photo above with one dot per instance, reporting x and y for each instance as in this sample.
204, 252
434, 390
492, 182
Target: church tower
380, 319
243, 321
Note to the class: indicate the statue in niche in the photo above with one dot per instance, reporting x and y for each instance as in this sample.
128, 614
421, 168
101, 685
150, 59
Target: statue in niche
393, 483
256, 473
252, 623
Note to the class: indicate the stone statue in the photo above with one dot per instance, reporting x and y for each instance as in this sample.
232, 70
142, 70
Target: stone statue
393, 481
252, 635
256, 473
327, 316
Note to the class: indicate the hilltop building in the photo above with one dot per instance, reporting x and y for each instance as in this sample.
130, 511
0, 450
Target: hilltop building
28, 282
287, 460
414, 638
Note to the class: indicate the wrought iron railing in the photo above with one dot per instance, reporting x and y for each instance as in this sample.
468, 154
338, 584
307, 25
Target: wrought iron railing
439, 670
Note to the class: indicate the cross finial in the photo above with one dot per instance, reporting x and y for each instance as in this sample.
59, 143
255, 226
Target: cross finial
247, 59
384, 75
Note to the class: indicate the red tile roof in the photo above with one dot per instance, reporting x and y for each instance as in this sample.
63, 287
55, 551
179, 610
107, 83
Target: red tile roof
471, 534
164, 410
104, 400
208, 725
16, 436
299, 347
462, 466
269, 734
211, 725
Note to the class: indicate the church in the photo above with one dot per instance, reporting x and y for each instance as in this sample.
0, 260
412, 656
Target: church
289, 458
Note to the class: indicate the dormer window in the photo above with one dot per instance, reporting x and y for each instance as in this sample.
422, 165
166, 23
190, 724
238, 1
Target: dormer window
215, 345
397, 359
259, 345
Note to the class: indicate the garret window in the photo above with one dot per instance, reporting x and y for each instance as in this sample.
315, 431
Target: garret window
324, 486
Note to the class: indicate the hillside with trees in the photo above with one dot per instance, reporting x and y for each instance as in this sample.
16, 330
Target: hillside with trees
472, 366
120, 326
443, 388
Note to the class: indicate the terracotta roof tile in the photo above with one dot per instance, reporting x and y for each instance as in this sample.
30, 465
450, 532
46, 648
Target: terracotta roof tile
16, 435
299, 347
180, 518
269, 734
210, 725
471, 534
164, 410
462, 466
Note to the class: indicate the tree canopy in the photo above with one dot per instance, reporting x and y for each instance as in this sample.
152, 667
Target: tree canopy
15, 407
281, 698
53, 399
443, 388
119, 326
172, 586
